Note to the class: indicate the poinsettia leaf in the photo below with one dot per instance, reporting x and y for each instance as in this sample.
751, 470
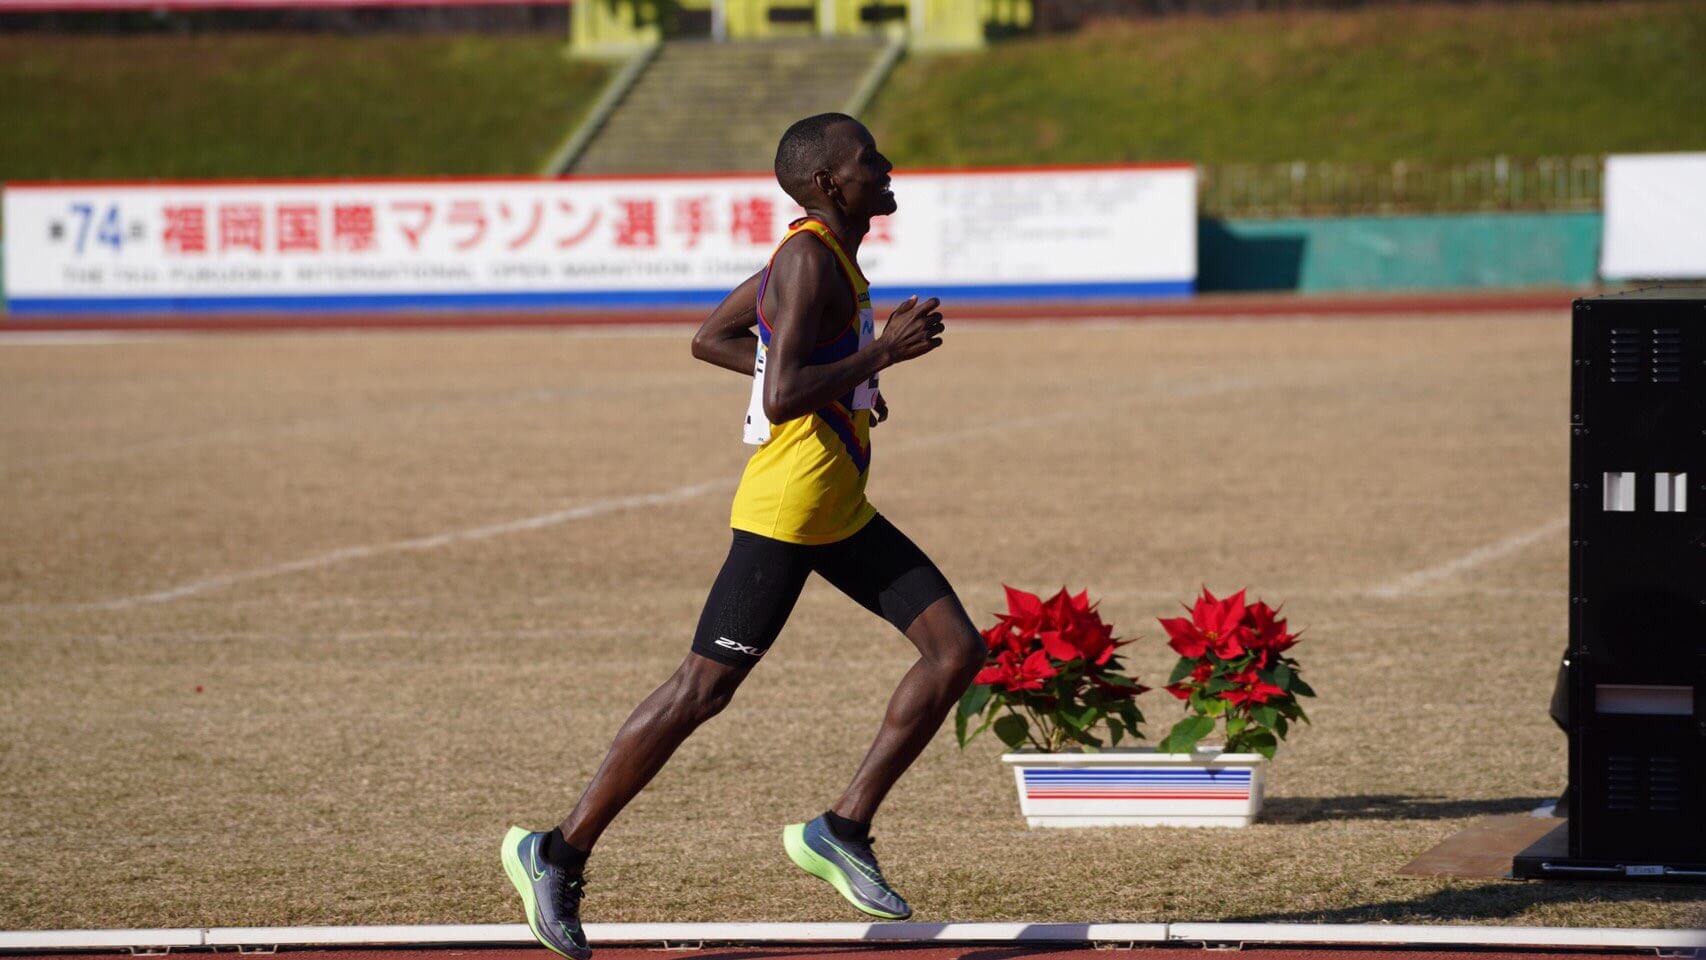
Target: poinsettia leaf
1087, 738
1262, 743
1236, 725
1280, 727
1181, 670
960, 729
1215, 708
1185, 734
1130, 714
1265, 715
1116, 731
1082, 719
1217, 684
1282, 676
1301, 689
974, 700
1119, 681
1012, 729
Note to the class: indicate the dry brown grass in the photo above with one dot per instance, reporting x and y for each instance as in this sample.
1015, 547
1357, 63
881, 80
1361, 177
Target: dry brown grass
370, 727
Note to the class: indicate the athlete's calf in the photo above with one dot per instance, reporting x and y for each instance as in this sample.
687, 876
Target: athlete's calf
699, 690
951, 652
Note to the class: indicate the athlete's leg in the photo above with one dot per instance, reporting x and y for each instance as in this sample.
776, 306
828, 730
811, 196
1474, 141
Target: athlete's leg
748, 604
950, 653
698, 691
884, 571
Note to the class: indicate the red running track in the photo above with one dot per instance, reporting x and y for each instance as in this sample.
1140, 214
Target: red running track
1210, 306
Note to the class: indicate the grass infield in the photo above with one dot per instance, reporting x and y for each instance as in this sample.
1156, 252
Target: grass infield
346, 740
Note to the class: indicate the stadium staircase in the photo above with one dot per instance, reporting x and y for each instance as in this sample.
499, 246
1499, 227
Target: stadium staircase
701, 107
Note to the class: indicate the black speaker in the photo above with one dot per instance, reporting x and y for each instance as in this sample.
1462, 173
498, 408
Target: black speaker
1637, 653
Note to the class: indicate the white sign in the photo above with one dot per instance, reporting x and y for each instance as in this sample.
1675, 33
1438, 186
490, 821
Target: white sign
1655, 217
1113, 232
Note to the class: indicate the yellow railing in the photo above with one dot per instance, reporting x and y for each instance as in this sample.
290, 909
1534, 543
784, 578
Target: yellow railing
616, 28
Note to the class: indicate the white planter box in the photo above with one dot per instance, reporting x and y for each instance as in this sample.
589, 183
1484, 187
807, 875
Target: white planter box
1138, 787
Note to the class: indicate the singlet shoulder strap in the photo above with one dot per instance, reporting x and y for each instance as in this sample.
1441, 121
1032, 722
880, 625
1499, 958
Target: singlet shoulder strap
855, 277
819, 229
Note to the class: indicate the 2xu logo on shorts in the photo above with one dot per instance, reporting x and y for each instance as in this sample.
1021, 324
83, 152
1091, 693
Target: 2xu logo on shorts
738, 647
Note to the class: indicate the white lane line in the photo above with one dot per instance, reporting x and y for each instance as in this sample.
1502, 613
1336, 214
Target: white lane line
1480, 556
83, 338
596, 508
344, 555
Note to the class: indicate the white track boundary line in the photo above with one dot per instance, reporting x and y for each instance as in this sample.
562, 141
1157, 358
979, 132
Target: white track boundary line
432, 542
1461, 935
1479, 556
1184, 389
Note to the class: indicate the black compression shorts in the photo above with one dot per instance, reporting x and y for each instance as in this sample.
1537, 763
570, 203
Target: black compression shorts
753, 595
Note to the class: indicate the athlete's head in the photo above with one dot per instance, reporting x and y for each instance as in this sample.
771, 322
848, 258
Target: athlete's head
831, 159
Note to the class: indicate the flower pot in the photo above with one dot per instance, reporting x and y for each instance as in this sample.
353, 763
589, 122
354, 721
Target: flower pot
1138, 787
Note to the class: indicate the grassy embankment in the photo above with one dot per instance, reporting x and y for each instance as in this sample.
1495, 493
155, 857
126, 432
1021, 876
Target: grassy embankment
1428, 83
285, 105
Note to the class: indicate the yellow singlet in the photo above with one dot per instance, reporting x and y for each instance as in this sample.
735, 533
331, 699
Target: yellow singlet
806, 483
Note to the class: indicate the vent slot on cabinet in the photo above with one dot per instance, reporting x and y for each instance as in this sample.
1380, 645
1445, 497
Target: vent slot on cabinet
1622, 784
1651, 784
1664, 784
1640, 355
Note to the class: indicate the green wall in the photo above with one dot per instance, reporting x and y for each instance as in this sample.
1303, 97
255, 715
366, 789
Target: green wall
1445, 251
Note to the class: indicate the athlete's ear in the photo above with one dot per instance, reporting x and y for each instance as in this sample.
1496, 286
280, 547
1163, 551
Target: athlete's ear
826, 185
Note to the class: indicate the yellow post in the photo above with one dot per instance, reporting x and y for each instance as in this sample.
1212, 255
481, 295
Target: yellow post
612, 29
945, 24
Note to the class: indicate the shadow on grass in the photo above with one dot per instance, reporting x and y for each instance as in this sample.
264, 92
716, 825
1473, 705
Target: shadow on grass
1390, 807
1494, 900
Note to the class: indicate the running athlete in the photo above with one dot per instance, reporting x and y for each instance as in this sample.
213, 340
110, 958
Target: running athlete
800, 509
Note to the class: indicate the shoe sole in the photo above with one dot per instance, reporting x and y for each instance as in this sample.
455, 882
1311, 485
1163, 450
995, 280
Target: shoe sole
804, 857
517, 874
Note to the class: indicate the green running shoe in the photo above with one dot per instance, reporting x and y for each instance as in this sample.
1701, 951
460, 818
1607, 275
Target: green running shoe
551, 897
848, 866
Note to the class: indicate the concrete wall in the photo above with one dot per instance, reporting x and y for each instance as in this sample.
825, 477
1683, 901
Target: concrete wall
1444, 251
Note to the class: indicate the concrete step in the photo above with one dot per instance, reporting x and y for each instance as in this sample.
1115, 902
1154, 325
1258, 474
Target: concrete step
703, 107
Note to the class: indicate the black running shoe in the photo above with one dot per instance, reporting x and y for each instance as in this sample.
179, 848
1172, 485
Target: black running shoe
551, 897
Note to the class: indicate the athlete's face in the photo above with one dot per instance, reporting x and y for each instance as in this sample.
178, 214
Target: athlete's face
863, 173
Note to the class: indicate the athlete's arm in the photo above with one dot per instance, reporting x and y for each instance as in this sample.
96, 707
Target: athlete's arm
726, 339
804, 279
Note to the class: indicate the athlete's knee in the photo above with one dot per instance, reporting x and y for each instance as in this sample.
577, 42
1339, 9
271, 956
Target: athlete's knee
963, 654
703, 688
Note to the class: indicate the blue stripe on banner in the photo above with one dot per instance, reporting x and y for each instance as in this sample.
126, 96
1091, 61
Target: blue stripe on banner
559, 298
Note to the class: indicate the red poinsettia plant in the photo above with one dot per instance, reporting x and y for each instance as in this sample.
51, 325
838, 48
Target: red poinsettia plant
1052, 679
1233, 668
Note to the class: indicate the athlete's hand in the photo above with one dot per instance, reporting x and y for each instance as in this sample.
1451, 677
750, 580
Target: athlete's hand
914, 329
880, 407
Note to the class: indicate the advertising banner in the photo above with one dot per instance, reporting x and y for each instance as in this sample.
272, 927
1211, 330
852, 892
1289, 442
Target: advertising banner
589, 242
1655, 217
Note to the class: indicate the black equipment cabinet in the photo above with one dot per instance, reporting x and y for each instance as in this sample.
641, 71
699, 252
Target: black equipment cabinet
1637, 652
